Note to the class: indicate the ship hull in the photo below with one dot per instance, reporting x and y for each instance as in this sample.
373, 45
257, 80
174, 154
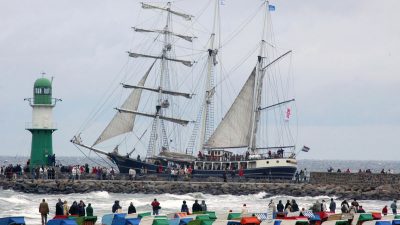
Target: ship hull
264, 168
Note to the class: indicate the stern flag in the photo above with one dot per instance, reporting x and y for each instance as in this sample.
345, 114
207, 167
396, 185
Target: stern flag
271, 7
305, 149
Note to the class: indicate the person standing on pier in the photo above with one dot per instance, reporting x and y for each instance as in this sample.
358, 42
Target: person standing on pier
44, 210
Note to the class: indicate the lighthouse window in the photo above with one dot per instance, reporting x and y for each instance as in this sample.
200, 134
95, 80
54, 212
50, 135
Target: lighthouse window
46, 91
38, 91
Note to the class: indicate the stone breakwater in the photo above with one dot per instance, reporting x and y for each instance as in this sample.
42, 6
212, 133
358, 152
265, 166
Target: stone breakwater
384, 192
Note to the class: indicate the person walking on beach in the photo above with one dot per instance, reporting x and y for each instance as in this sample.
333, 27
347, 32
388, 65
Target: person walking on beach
131, 209
393, 206
272, 208
184, 207
244, 209
59, 208
288, 205
323, 206
385, 210
280, 207
73, 210
116, 207
196, 206
295, 207
66, 208
332, 206
345, 207
156, 206
44, 210
203, 206
89, 210
355, 203
81, 208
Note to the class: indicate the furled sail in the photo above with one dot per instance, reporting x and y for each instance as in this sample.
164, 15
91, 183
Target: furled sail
183, 15
234, 131
123, 122
184, 37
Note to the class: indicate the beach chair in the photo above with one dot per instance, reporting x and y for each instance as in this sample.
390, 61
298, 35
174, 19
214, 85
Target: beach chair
396, 222
250, 221
61, 222
132, 221
174, 221
222, 215
132, 215
148, 220
15, 220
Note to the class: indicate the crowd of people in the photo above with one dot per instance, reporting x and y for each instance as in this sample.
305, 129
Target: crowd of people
62, 209
323, 206
369, 171
80, 209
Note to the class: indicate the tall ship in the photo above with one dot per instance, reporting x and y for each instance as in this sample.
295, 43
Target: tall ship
173, 122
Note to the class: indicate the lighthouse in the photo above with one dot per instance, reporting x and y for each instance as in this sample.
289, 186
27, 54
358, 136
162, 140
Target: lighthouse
42, 126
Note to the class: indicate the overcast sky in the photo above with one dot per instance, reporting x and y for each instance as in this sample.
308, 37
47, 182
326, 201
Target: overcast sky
346, 65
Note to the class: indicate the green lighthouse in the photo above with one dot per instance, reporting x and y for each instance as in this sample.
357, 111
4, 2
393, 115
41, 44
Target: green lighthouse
42, 126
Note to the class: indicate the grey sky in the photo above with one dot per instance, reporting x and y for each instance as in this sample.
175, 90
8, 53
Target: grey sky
345, 63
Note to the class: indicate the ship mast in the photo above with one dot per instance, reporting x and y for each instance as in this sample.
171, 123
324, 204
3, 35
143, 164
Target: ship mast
255, 117
207, 122
158, 136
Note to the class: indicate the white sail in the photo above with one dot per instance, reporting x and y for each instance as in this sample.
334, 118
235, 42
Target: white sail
123, 122
234, 131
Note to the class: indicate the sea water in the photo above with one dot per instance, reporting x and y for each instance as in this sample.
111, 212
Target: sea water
21, 204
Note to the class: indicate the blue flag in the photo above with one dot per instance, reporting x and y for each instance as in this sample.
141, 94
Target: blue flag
271, 7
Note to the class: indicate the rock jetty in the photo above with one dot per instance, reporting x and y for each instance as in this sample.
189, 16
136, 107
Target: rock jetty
383, 192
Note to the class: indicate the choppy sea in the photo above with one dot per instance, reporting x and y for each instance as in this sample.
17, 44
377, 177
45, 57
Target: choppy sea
20, 204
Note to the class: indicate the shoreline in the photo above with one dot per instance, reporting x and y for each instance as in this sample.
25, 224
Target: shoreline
64, 186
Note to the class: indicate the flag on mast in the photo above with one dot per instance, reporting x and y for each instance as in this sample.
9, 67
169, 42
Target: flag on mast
271, 8
305, 149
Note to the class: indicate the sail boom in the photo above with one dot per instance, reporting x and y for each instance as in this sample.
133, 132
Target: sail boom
76, 141
184, 37
277, 104
226, 147
184, 62
170, 119
175, 93
277, 59
183, 15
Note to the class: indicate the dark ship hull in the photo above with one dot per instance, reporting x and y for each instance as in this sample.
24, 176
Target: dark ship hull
280, 168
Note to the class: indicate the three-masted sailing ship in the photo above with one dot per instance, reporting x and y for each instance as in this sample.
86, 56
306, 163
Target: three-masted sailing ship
232, 147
